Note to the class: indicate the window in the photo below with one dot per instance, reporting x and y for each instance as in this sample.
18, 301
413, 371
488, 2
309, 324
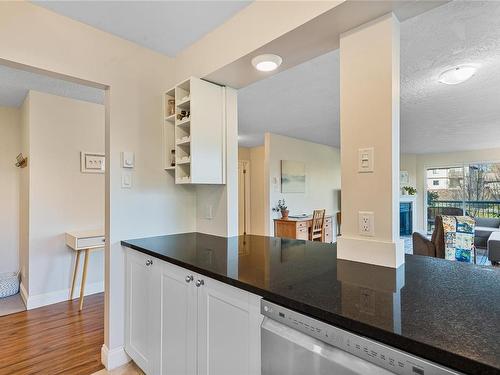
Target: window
473, 189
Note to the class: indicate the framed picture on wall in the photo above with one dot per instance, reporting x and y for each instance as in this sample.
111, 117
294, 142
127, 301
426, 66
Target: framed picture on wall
293, 176
92, 162
404, 178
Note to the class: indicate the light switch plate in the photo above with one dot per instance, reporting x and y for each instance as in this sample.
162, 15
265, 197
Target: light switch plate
126, 180
128, 159
365, 160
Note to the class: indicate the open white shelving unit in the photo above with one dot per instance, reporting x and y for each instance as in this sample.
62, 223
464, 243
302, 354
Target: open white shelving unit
198, 139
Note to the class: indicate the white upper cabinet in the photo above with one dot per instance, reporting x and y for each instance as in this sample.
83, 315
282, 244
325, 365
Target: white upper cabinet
194, 132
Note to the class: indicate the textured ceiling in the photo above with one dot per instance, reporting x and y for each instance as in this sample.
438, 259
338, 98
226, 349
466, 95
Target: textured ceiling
303, 102
14, 85
163, 26
436, 117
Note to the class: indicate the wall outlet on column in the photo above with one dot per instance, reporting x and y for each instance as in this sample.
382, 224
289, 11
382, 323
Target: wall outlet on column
366, 223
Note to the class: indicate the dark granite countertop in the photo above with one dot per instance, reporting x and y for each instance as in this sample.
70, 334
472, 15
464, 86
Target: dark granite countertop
446, 312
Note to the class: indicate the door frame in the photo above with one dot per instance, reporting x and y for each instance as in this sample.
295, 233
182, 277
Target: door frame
245, 166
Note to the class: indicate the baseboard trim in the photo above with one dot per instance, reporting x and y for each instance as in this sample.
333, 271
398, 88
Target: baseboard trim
39, 300
114, 358
370, 251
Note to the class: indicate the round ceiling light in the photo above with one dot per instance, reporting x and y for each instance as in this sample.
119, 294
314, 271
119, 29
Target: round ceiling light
457, 75
267, 62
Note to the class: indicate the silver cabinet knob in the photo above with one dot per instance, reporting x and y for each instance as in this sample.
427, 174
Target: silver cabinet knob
149, 262
199, 283
189, 278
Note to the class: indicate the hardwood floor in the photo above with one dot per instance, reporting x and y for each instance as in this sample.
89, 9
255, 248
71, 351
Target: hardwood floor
55, 339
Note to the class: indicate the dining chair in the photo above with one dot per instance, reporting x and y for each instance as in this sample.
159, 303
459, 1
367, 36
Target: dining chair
318, 224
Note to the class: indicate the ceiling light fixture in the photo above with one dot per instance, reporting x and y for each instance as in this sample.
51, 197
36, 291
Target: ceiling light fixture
457, 75
267, 62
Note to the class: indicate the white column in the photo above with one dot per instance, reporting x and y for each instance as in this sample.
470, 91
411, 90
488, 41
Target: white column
369, 118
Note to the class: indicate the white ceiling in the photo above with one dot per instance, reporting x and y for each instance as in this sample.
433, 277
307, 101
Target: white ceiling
163, 26
436, 117
14, 85
303, 102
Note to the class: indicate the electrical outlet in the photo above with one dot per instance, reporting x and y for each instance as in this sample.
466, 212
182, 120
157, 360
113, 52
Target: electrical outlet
366, 223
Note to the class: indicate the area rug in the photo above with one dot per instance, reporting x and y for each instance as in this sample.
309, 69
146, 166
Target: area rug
11, 305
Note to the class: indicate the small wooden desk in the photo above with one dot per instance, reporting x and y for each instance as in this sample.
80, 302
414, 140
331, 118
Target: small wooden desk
298, 228
86, 241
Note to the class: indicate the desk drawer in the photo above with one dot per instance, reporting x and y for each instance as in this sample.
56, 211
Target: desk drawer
328, 220
328, 237
303, 233
84, 243
301, 224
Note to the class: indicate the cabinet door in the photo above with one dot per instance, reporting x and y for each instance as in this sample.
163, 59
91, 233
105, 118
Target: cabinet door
139, 311
178, 321
228, 330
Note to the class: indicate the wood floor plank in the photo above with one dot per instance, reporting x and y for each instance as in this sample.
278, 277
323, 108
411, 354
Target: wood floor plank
55, 339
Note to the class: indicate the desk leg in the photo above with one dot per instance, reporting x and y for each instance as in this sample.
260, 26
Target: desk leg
84, 277
75, 271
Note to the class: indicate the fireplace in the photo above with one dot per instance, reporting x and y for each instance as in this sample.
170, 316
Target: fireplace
405, 218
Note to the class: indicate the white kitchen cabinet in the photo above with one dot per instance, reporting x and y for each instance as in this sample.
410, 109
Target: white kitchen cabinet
228, 330
139, 314
179, 322
177, 354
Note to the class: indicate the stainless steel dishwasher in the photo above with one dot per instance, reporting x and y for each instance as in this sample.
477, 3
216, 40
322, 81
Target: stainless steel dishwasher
294, 344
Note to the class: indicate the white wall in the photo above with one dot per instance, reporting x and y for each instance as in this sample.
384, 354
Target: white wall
61, 197
408, 162
322, 165
135, 78
10, 146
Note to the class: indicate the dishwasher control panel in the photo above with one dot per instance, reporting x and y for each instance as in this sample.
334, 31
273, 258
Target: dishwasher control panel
379, 354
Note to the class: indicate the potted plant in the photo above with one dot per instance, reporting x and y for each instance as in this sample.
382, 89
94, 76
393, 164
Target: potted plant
282, 208
409, 190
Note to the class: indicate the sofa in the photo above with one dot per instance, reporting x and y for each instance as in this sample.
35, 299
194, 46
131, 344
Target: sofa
484, 228
487, 236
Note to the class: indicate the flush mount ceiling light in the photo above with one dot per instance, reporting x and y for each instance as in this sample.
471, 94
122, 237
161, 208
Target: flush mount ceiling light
267, 63
456, 75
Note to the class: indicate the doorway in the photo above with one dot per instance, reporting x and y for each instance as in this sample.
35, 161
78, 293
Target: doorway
57, 123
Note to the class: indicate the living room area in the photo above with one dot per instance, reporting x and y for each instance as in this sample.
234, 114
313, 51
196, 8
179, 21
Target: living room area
450, 133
